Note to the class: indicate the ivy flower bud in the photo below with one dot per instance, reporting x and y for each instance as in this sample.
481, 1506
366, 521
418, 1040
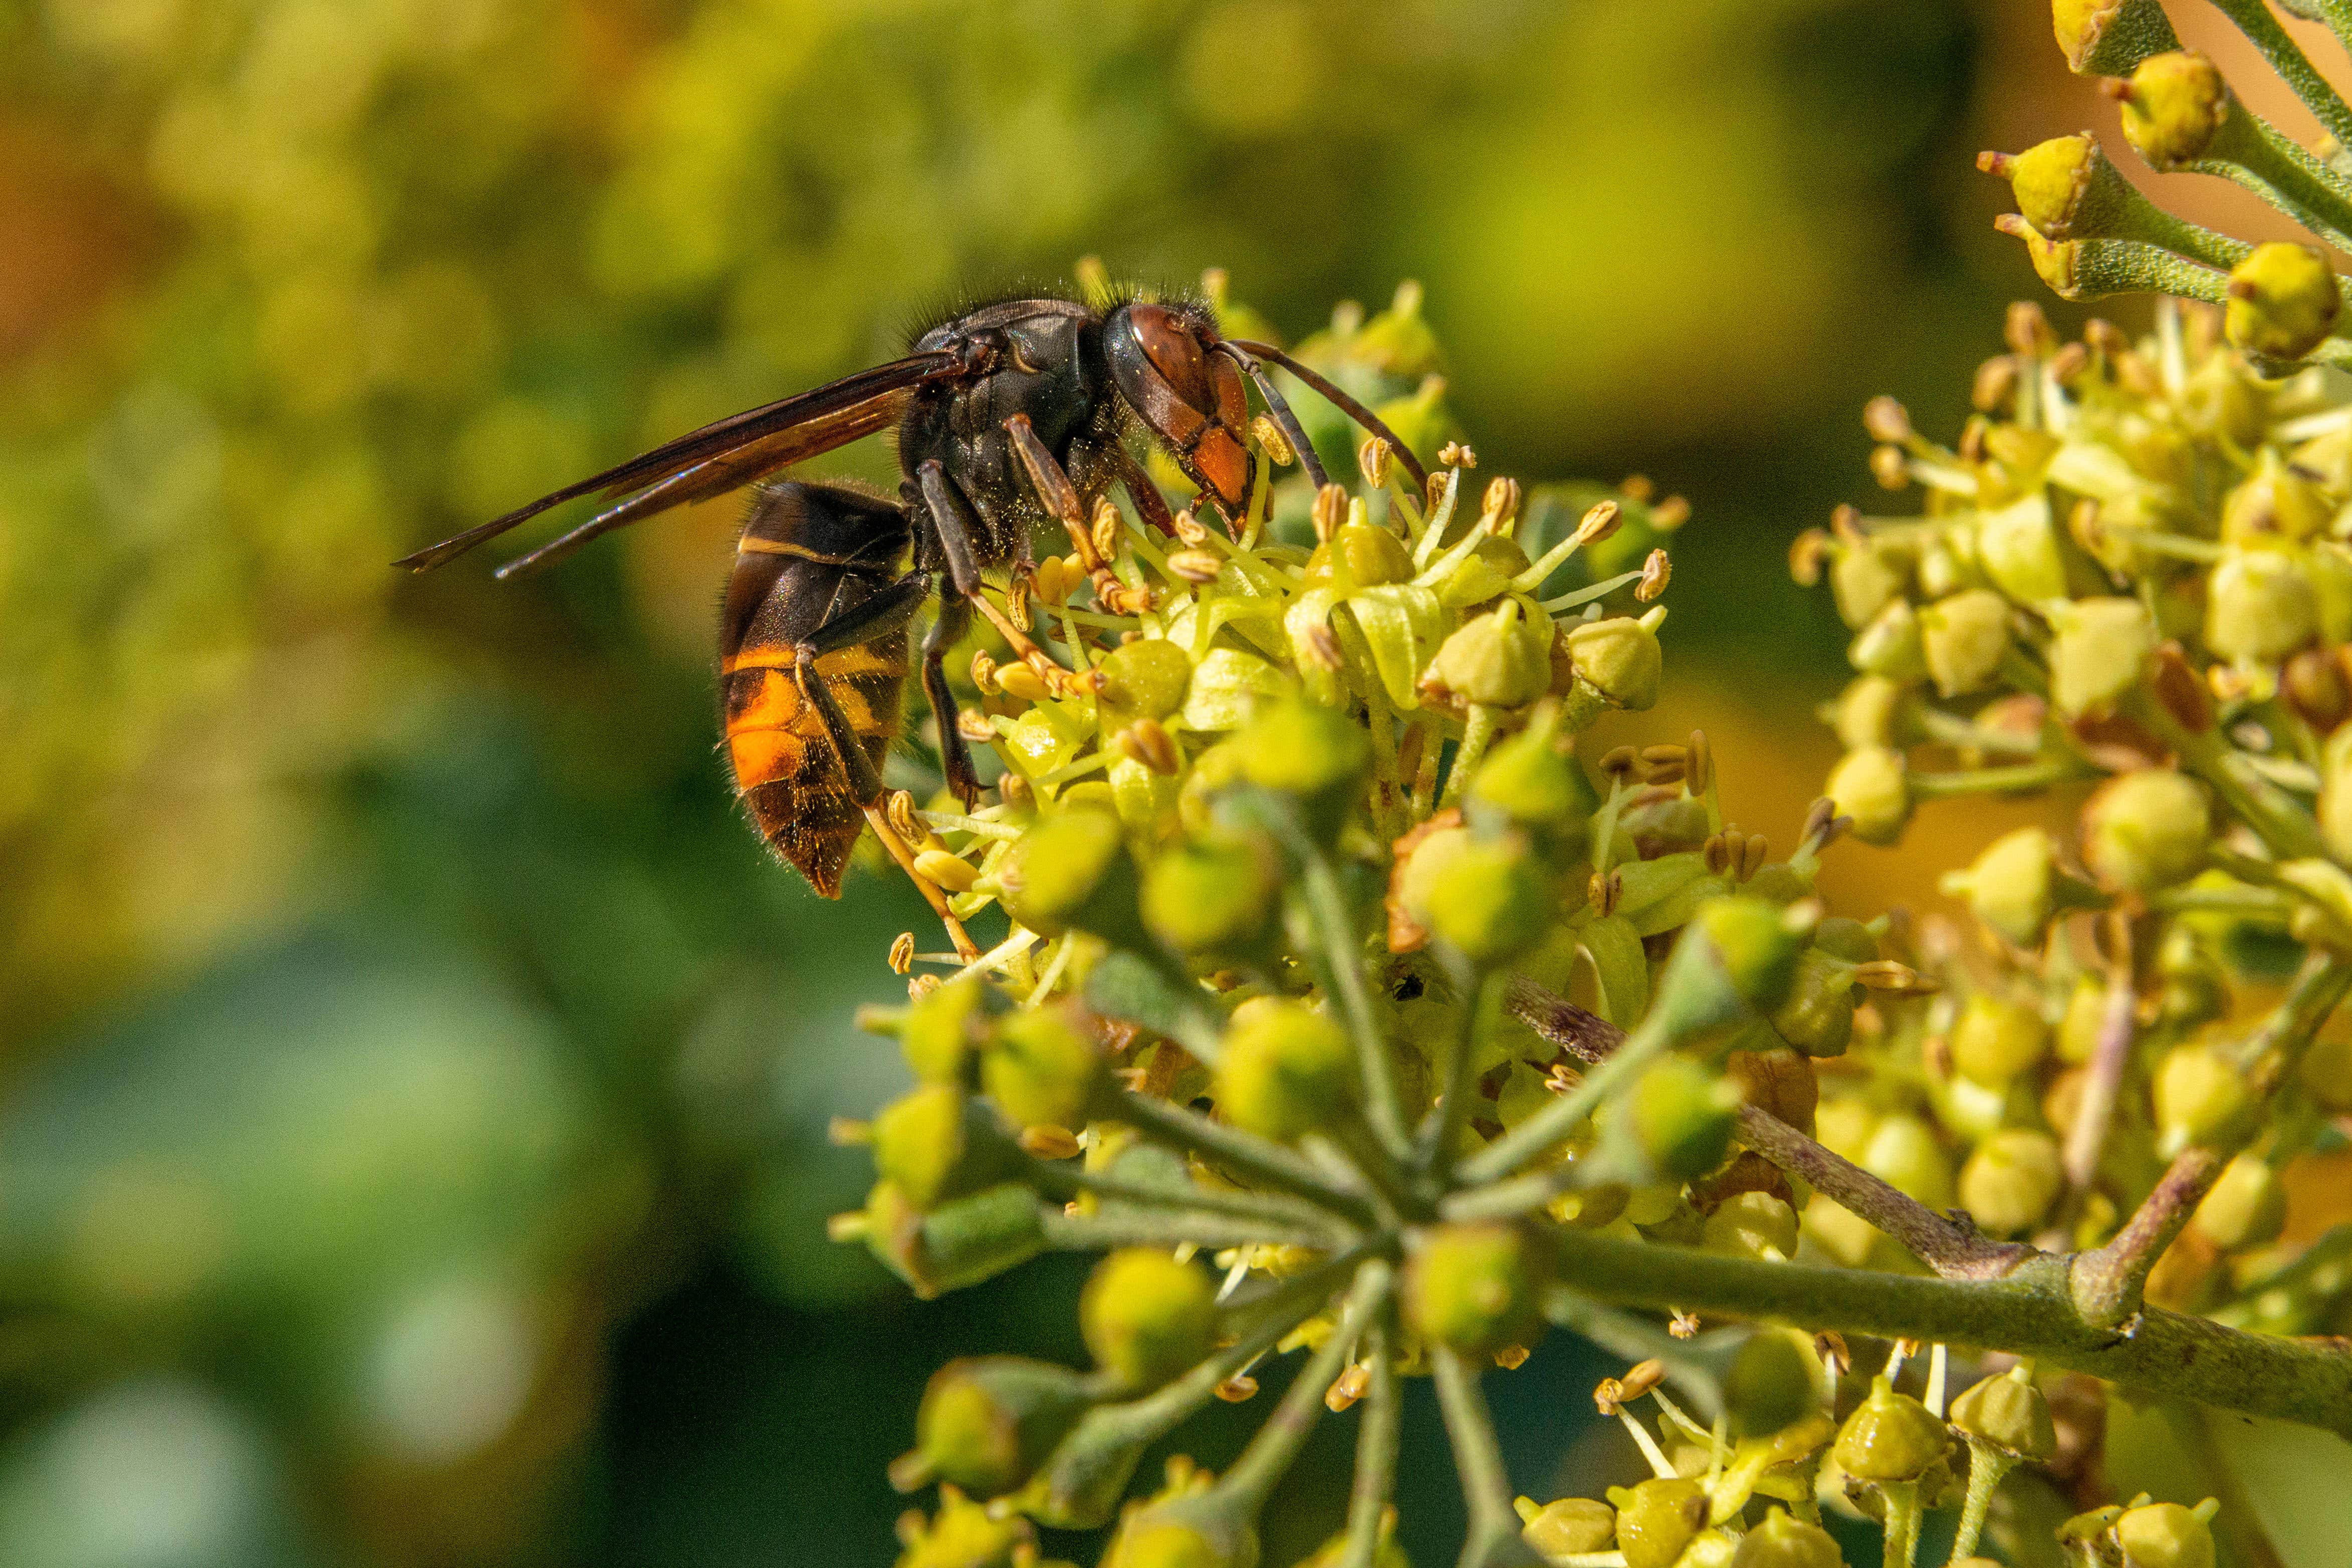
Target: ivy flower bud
965, 1535
1865, 575
1890, 647
2067, 190
1618, 658
1657, 1518
1305, 749
1682, 1117
1213, 897
2007, 1411
2011, 1179
1072, 871
2260, 606
1530, 781
2101, 652
1497, 660
2201, 1097
941, 1029
1996, 1039
1490, 901
1890, 1436
2164, 1535
1963, 637
1157, 1539
1878, 711
986, 1422
1477, 1287
1360, 555
933, 1143
2276, 503
2283, 301
1904, 1153
1570, 1525
1147, 1317
2146, 831
2327, 1073
1816, 1018
1042, 1069
960, 1243
2175, 108
1753, 1225
1147, 679
1286, 1071
2016, 544
1869, 784
1770, 1385
2108, 37
1784, 1543
2246, 1206
2014, 886
1753, 945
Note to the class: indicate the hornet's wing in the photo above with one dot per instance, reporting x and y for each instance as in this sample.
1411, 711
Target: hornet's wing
719, 457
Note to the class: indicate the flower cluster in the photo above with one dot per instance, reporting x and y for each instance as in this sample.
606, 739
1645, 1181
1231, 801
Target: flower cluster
1330, 965
2091, 233
2128, 579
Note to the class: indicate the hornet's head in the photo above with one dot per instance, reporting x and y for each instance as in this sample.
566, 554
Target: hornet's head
1190, 397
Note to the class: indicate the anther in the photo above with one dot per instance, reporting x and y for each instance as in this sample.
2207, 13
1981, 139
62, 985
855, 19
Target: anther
1330, 511
1887, 420
1274, 441
1194, 565
1655, 573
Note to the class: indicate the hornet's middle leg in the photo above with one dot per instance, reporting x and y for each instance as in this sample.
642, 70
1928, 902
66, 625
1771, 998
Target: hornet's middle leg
955, 524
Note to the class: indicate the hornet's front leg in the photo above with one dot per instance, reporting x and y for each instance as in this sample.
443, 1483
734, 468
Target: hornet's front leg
1051, 483
956, 525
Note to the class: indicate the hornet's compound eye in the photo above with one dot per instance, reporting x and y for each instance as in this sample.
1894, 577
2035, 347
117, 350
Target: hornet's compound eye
1190, 399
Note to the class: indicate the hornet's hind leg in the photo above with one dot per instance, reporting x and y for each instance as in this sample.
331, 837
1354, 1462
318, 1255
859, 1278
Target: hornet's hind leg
877, 616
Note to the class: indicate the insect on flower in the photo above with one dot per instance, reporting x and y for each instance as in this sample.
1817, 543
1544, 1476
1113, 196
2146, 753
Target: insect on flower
1010, 415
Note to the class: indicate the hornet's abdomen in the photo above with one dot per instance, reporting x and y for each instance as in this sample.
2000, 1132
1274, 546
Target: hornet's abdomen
808, 552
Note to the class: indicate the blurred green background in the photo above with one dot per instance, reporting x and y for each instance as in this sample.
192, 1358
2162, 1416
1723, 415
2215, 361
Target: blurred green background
413, 1073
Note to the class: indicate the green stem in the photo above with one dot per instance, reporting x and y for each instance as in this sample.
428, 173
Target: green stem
1253, 1476
1476, 736
1237, 1152
1376, 1451
2030, 1312
1065, 1179
2294, 67
1988, 1468
1901, 1498
1665, 1026
1482, 1001
1100, 1232
1110, 1430
2000, 780
2107, 1282
1336, 956
1495, 1540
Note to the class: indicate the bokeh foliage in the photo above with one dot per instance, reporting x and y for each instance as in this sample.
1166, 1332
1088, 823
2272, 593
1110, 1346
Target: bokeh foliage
391, 1002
